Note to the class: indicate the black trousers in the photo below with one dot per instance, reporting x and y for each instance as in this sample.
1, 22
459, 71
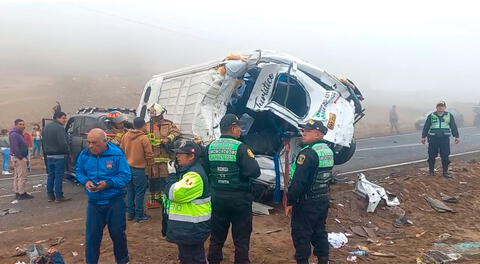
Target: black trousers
436, 145
191, 254
237, 210
308, 228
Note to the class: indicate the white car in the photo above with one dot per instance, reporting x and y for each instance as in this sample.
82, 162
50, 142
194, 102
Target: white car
274, 92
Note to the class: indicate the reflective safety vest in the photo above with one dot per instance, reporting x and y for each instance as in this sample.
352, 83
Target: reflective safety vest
320, 184
224, 169
189, 207
440, 125
188, 200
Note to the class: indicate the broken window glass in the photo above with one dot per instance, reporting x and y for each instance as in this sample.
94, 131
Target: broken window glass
290, 94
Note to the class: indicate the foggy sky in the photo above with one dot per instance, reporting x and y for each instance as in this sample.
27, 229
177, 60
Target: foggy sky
423, 49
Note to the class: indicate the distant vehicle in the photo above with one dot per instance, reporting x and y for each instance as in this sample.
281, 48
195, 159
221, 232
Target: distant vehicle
459, 119
83, 121
273, 92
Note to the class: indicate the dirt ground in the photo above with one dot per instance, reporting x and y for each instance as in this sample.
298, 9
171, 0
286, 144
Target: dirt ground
271, 242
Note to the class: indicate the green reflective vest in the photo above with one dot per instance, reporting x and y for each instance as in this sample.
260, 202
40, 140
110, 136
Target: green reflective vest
440, 126
188, 207
224, 169
321, 180
189, 200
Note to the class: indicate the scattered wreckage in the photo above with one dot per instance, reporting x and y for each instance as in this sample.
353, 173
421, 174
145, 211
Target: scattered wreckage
272, 92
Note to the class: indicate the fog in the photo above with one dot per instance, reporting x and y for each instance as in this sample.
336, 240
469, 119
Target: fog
397, 53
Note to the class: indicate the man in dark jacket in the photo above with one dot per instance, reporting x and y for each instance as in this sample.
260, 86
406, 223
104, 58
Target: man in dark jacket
232, 166
19, 153
439, 126
104, 171
56, 149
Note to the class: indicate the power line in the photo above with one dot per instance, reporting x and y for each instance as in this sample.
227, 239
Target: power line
133, 21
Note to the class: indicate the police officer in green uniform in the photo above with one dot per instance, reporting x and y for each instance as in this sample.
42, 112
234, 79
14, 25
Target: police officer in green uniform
188, 204
439, 126
308, 194
232, 166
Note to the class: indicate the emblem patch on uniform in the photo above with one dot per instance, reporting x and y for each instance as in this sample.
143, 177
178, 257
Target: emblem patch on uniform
301, 159
109, 164
331, 121
250, 153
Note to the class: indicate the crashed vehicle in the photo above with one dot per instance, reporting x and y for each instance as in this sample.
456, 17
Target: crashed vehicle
272, 92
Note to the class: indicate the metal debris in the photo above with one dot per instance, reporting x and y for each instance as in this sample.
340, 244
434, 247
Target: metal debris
438, 205
260, 209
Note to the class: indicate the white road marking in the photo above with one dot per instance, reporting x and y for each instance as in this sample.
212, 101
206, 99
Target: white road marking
407, 134
10, 195
29, 176
42, 225
389, 147
402, 164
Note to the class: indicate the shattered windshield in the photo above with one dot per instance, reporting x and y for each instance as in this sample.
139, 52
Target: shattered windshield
290, 94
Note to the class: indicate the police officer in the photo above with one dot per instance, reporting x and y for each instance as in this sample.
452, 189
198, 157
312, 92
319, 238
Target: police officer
232, 166
162, 134
307, 196
439, 126
188, 205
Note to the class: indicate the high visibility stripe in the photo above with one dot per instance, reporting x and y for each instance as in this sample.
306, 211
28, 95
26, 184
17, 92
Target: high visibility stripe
201, 201
188, 218
170, 192
161, 160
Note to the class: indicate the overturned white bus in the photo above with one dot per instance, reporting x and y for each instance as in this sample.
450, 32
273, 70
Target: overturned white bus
274, 92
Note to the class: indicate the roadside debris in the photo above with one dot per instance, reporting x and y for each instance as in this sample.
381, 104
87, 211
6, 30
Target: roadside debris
444, 237
467, 248
7, 211
337, 240
352, 259
14, 202
59, 241
261, 209
374, 193
437, 257
438, 205
449, 199
273, 231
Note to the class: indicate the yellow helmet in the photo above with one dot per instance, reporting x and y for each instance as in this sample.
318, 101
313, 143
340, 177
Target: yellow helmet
157, 110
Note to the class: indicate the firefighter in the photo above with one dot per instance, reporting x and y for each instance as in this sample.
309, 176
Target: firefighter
439, 126
308, 194
162, 134
232, 166
117, 128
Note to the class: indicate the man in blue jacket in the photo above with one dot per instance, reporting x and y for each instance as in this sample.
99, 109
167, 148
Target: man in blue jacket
104, 171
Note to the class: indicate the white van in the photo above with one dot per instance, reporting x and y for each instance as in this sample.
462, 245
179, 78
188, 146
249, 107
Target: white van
275, 92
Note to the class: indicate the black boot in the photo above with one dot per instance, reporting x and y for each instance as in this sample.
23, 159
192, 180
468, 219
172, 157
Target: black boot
323, 260
445, 173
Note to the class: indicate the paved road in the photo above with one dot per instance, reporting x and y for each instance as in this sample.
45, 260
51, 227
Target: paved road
380, 151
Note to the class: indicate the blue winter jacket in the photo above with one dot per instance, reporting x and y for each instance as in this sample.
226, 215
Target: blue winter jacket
110, 166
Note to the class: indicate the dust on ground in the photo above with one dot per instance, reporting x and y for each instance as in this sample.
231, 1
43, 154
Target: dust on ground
271, 241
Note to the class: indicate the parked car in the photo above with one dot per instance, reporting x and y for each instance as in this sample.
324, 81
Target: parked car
459, 119
274, 92
83, 121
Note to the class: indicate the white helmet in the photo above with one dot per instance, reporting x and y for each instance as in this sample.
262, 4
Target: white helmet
157, 110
